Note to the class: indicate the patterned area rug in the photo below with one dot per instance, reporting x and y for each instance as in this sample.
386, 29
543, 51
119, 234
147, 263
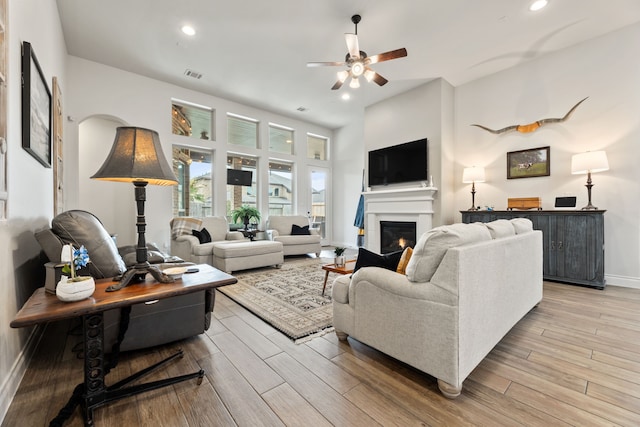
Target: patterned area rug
289, 299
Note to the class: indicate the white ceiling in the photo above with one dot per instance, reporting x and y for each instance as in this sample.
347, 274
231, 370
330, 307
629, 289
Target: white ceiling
255, 51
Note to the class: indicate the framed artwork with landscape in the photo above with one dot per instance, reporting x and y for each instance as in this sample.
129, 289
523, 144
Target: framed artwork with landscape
528, 163
36, 108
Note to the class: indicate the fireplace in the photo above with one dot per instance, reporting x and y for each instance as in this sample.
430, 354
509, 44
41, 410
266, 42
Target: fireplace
396, 235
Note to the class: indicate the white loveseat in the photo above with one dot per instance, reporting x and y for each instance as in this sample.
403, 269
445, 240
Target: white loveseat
466, 286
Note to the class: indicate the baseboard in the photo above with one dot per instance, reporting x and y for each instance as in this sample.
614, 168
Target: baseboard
10, 385
624, 281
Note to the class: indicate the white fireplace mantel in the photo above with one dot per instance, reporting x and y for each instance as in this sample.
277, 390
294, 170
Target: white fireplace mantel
397, 204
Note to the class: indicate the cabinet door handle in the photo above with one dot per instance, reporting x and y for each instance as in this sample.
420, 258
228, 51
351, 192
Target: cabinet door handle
553, 245
559, 246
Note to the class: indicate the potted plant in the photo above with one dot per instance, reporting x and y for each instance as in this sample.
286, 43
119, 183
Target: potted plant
76, 287
339, 259
246, 214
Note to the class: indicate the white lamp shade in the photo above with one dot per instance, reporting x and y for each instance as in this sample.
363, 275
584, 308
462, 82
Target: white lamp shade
473, 174
591, 161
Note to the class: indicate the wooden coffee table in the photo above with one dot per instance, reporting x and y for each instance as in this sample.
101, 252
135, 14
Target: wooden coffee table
331, 268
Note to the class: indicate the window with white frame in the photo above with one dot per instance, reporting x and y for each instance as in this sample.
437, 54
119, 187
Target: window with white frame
242, 131
194, 192
280, 188
192, 120
245, 193
317, 147
280, 139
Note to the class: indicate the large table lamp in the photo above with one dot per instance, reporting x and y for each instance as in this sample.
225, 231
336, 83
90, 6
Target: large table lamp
136, 156
589, 162
472, 175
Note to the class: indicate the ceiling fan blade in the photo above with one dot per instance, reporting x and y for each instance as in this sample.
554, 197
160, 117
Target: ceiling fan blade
381, 81
393, 54
352, 45
325, 64
338, 85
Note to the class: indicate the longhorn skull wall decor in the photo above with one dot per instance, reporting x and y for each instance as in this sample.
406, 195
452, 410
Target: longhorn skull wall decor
531, 127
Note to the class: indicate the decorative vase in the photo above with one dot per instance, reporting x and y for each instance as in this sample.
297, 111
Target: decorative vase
75, 289
339, 261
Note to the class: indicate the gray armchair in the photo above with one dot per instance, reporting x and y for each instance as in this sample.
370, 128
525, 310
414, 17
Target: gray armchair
153, 324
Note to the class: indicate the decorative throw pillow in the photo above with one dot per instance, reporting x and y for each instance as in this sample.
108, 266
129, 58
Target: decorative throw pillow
432, 246
371, 259
184, 225
404, 260
500, 228
202, 235
522, 225
296, 230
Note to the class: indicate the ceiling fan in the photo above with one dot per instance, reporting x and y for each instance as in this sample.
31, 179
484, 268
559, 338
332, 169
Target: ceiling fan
358, 62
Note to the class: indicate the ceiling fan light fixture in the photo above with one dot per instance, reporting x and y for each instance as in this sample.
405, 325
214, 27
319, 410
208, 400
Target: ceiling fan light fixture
369, 74
355, 84
357, 68
342, 75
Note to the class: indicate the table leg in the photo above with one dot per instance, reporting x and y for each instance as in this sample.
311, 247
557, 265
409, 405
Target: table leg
326, 274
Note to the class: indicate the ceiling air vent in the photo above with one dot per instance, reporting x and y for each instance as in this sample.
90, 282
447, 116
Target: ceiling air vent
302, 109
191, 73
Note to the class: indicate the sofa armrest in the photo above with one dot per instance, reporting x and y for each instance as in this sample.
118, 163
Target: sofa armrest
234, 235
397, 284
273, 233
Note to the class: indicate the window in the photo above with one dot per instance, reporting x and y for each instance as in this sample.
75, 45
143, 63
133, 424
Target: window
280, 139
242, 131
191, 120
193, 194
240, 195
280, 188
317, 147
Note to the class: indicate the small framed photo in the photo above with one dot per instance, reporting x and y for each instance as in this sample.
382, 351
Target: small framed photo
528, 163
36, 108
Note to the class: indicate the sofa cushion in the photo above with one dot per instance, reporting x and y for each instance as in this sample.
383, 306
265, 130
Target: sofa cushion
311, 239
296, 230
282, 223
184, 225
218, 227
522, 225
371, 259
83, 228
500, 228
432, 245
404, 260
202, 235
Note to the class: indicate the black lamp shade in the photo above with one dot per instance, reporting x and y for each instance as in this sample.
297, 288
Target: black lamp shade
136, 155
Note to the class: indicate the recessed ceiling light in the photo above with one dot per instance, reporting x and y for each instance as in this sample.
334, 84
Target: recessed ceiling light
188, 30
346, 96
537, 5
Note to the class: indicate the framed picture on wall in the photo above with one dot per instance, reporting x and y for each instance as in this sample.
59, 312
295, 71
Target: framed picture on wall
528, 163
36, 108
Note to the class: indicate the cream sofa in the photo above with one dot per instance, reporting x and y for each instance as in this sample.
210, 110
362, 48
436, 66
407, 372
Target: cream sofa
279, 227
465, 287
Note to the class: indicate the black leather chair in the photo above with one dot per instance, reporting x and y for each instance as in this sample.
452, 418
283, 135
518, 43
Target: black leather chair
150, 324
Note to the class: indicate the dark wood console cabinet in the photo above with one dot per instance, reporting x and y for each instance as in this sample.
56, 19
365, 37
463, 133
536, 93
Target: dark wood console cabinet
573, 242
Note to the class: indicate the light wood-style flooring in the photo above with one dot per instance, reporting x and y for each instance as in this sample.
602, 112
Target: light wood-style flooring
573, 360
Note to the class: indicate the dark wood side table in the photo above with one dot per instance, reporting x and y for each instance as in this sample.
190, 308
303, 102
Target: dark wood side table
331, 268
43, 307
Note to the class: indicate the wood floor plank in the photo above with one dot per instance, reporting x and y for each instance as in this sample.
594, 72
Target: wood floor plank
614, 397
292, 408
251, 366
323, 368
331, 404
489, 379
245, 405
259, 344
210, 410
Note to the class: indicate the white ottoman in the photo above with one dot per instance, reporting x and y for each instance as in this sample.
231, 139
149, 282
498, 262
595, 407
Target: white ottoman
241, 255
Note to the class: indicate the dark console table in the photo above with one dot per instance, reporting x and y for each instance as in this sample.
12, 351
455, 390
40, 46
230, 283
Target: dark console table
573, 242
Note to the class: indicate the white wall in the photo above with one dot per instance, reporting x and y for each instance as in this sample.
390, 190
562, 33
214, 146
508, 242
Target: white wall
424, 112
98, 90
30, 186
607, 70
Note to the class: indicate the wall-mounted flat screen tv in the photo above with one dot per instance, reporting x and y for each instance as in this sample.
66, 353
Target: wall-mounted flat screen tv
239, 177
400, 163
